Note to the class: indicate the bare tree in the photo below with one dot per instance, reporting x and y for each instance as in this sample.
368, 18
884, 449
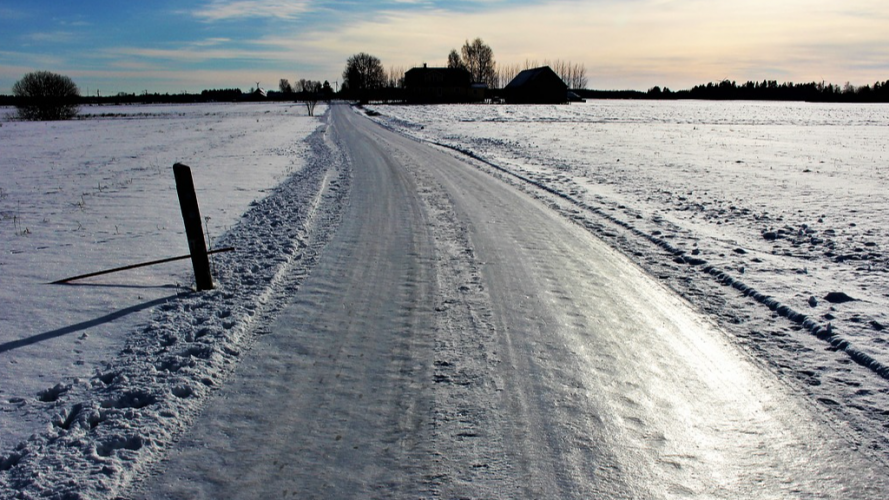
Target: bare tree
285, 87
479, 60
42, 95
395, 77
506, 73
310, 94
363, 72
531, 64
303, 85
311, 101
578, 77
455, 61
574, 75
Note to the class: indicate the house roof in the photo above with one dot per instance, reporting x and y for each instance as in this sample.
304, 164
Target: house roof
437, 77
529, 75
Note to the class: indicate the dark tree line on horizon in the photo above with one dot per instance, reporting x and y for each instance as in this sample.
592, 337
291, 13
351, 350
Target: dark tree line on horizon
767, 90
388, 83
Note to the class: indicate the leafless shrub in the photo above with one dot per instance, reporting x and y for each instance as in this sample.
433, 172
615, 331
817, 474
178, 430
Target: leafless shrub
43, 95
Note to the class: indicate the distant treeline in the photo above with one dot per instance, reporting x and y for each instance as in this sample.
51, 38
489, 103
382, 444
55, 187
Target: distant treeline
212, 95
767, 90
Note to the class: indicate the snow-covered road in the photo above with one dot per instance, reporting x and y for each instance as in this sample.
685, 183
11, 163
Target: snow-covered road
459, 339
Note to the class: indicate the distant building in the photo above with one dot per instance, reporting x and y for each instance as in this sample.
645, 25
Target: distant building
536, 86
441, 85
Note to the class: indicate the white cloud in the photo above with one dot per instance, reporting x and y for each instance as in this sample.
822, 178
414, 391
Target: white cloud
211, 42
76, 24
51, 37
218, 10
192, 55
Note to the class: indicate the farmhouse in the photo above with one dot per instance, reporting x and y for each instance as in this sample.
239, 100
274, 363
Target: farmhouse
441, 85
536, 86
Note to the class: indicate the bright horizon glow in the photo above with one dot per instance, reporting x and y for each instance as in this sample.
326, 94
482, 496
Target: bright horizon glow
191, 45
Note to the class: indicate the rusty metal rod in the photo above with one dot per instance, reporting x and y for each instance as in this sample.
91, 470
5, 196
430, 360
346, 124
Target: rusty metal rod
133, 266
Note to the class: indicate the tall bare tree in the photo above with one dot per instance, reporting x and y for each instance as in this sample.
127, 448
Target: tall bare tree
506, 73
363, 72
574, 75
578, 77
303, 85
479, 60
530, 64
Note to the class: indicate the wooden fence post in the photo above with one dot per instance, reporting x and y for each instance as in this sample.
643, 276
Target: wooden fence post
191, 215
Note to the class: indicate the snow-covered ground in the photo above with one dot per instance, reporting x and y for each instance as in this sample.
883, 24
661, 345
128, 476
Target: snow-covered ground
783, 202
137, 351
758, 213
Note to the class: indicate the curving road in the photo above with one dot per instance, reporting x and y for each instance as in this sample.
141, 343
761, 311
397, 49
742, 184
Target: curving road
459, 339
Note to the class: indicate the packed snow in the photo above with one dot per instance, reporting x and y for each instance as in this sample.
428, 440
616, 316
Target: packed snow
768, 216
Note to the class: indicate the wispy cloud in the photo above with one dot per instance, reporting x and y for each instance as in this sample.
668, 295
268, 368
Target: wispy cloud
211, 42
188, 55
14, 61
196, 54
136, 66
11, 14
219, 10
76, 24
51, 37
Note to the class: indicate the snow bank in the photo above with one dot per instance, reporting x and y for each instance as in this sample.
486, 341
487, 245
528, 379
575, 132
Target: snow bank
87, 195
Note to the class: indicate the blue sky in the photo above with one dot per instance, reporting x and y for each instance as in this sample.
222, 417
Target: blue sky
191, 45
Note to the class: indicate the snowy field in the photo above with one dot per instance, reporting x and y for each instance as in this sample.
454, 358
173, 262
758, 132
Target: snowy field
761, 214
98, 193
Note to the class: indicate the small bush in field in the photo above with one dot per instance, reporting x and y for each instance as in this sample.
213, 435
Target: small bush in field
43, 95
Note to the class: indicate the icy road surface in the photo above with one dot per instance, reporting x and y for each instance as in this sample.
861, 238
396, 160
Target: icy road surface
459, 339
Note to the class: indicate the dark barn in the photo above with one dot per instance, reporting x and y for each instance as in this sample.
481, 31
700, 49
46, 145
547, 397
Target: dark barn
440, 85
536, 86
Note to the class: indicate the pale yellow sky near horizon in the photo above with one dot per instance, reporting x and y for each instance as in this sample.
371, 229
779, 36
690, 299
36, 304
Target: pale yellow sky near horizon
657, 42
626, 44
